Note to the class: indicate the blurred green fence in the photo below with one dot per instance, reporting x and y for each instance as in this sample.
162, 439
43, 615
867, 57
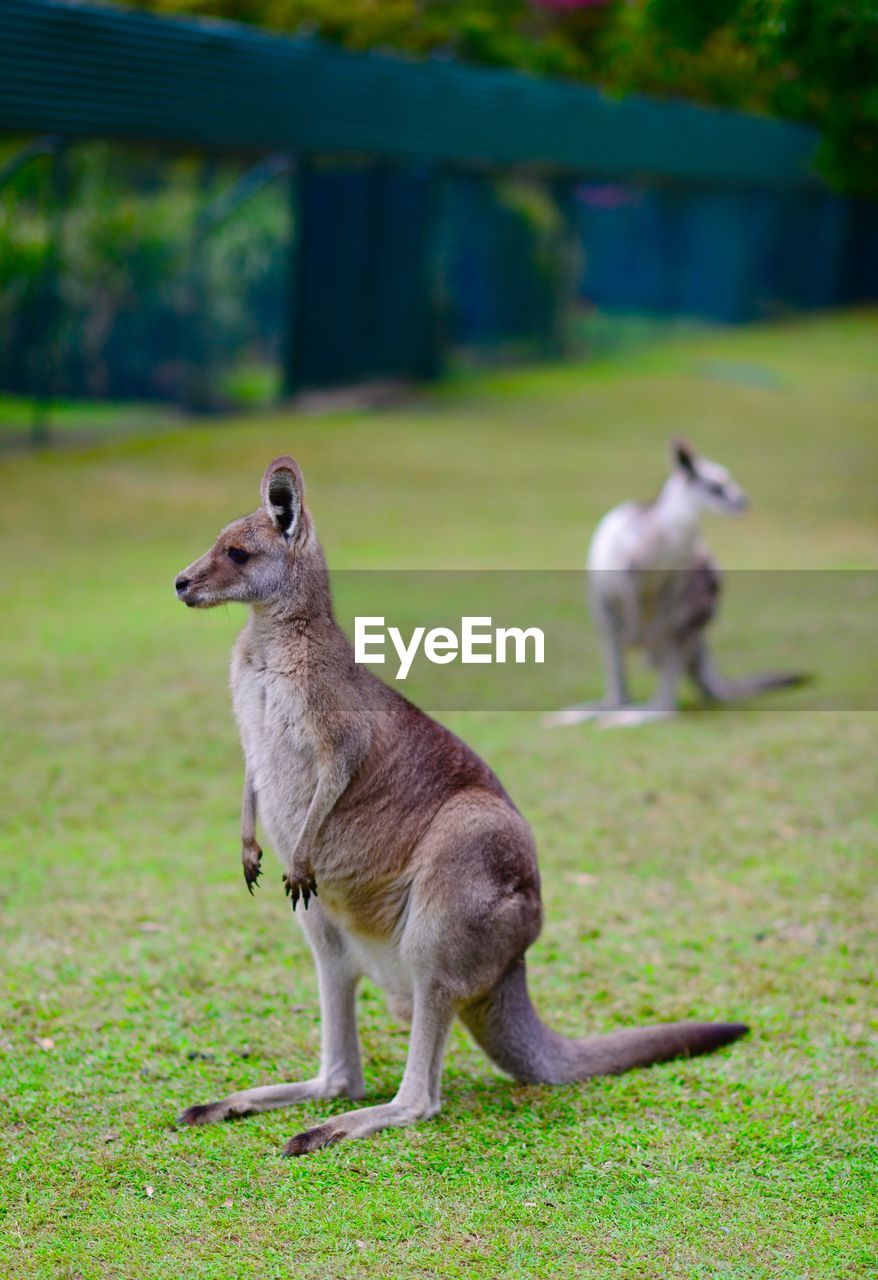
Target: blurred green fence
209, 214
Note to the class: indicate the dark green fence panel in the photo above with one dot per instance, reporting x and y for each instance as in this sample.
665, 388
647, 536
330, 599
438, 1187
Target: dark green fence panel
502, 262
726, 255
362, 280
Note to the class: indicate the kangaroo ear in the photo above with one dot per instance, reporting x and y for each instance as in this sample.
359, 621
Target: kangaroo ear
281, 492
683, 455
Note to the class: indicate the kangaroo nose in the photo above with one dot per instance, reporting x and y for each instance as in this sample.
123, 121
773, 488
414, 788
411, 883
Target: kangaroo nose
181, 584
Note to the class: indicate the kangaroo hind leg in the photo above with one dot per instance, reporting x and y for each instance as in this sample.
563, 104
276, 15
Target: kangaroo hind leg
662, 705
609, 624
418, 1095
340, 1073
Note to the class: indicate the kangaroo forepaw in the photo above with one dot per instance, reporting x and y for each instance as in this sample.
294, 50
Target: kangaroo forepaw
298, 884
251, 859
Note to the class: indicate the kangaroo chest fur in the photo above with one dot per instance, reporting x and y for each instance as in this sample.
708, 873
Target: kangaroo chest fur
281, 755
280, 752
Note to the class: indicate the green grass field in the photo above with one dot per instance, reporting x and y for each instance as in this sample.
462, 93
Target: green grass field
720, 866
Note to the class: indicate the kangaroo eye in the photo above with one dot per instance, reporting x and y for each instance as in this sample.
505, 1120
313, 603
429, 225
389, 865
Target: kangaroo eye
238, 554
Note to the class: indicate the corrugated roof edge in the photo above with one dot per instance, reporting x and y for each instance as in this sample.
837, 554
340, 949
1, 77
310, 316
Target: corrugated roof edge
95, 70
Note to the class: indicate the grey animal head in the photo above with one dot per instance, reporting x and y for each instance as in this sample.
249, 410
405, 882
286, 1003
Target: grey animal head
710, 485
257, 559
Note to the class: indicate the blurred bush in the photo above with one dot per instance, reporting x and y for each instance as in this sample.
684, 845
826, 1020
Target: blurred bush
139, 291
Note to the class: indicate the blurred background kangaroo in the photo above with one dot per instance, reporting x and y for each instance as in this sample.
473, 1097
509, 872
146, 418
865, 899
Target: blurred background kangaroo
653, 584
426, 872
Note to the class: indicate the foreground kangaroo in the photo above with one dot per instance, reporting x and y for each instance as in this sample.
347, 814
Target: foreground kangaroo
426, 872
653, 585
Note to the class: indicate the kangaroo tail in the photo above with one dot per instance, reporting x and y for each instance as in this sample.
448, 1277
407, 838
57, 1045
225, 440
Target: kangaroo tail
714, 685
507, 1026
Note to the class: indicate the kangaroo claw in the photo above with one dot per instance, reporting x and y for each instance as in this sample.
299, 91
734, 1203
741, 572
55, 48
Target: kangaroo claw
251, 858
296, 886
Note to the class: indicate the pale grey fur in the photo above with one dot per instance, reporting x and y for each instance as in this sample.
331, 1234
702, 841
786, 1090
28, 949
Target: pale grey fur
653, 585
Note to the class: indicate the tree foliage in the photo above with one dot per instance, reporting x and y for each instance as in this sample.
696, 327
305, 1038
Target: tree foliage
816, 60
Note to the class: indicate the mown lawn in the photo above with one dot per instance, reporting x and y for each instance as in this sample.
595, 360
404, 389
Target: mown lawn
720, 866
